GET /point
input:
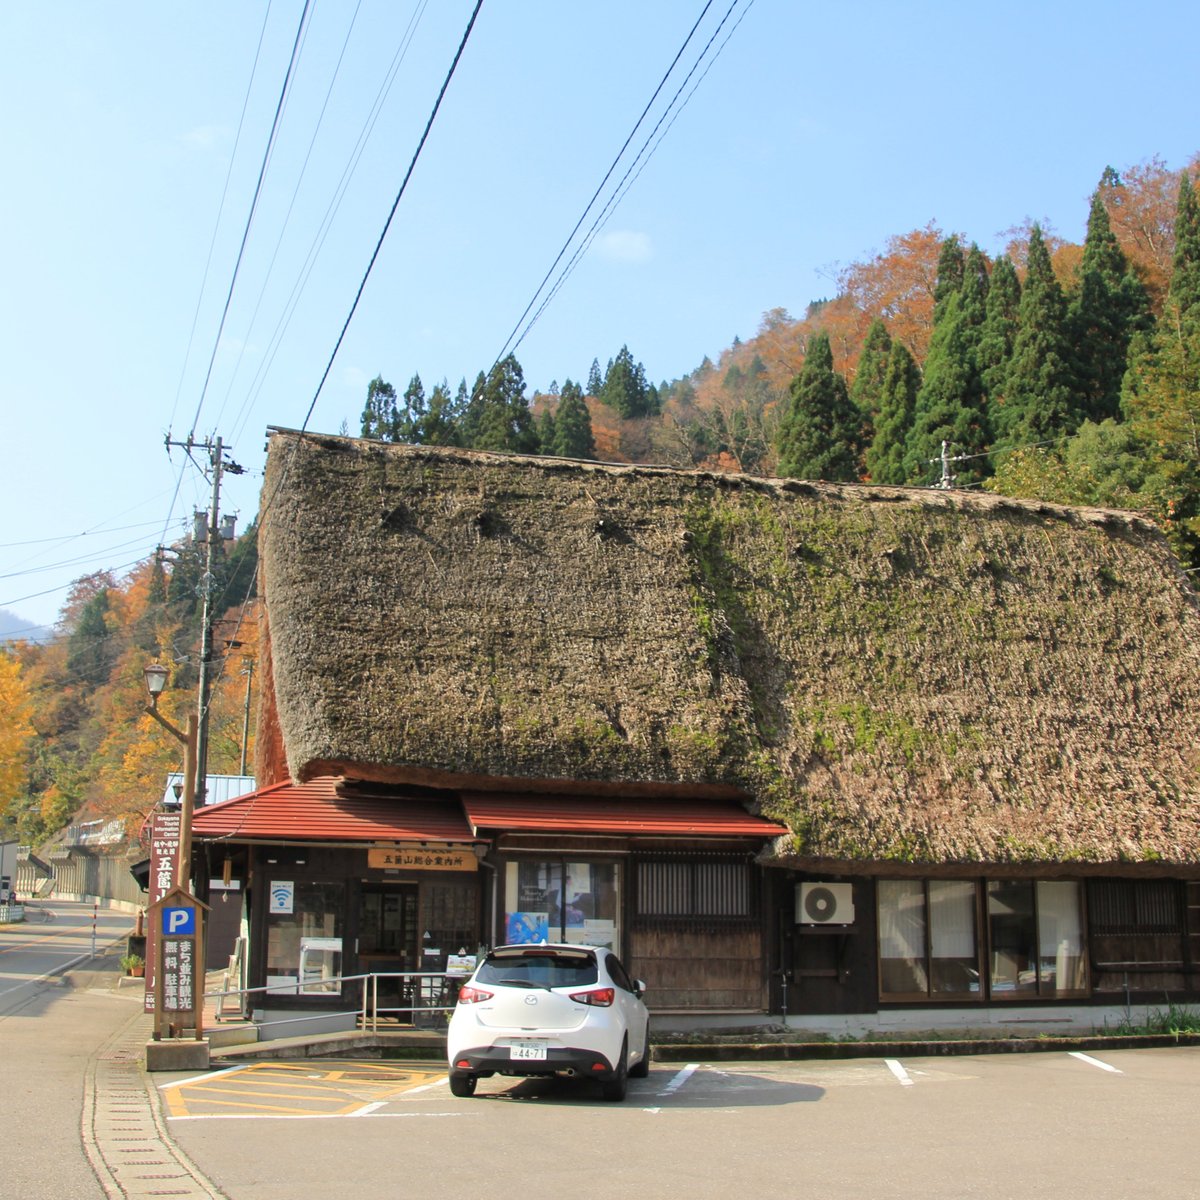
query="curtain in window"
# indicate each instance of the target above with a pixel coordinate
(954, 965)
(1060, 936)
(902, 937)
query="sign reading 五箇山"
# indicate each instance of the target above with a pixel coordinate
(177, 920)
(420, 858)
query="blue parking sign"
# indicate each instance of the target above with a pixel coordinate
(179, 922)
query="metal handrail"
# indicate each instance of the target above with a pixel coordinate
(368, 1013)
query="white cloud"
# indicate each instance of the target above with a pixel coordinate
(624, 245)
(204, 136)
(356, 379)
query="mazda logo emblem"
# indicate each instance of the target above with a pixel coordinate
(530, 999)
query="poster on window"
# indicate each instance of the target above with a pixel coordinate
(524, 928)
(283, 897)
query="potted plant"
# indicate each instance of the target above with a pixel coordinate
(133, 964)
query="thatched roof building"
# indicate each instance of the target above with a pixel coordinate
(903, 676)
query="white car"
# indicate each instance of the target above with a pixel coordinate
(550, 1010)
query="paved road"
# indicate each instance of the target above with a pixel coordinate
(56, 935)
(1110, 1126)
(50, 1029)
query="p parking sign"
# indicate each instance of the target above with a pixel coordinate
(179, 922)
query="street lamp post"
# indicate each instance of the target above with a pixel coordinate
(156, 680)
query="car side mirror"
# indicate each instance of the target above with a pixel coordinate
(639, 988)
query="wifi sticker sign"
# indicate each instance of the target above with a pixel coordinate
(283, 897)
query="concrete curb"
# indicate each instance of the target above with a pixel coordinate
(424, 1048)
(768, 1051)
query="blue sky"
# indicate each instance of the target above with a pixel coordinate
(817, 133)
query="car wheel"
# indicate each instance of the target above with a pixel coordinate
(462, 1083)
(641, 1068)
(616, 1087)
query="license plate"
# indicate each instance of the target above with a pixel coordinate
(528, 1050)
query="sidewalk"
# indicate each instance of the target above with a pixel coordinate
(124, 1136)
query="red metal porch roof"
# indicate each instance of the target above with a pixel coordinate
(607, 814)
(328, 810)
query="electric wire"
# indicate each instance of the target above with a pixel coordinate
(71, 562)
(630, 177)
(366, 275)
(318, 243)
(296, 45)
(504, 350)
(395, 204)
(283, 227)
(70, 537)
(62, 587)
(220, 210)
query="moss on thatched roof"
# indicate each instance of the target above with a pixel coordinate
(901, 675)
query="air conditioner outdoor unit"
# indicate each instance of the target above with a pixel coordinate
(825, 904)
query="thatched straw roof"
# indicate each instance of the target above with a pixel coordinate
(902, 675)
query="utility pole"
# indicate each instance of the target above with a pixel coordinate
(217, 465)
(248, 671)
(947, 480)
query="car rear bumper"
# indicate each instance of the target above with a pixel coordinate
(559, 1060)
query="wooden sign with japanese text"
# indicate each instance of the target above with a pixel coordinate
(164, 853)
(417, 858)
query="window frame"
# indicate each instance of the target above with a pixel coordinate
(692, 866)
(986, 992)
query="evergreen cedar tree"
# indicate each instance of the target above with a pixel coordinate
(1040, 403)
(897, 408)
(950, 405)
(867, 387)
(819, 434)
(1108, 307)
(999, 332)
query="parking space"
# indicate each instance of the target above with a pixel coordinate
(359, 1088)
(348, 1088)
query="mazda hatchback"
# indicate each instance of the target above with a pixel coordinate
(568, 1010)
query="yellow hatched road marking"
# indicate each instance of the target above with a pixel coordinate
(326, 1089)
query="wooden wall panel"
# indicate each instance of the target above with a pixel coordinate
(686, 970)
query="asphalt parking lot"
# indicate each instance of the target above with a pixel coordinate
(1117, 1124)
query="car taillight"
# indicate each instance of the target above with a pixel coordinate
(601, 997)
(473, 995)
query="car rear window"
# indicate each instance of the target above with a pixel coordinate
(539, 967)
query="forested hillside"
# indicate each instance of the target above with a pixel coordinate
(74, 740)
(1063, 372)
(1058, 371)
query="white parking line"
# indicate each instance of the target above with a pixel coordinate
(426, 1086)
(1095, 1062)
(899, 1072)
(681, 1077)
(205, 1078)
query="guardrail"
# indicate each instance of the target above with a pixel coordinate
(430, 992)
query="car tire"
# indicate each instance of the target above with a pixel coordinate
(641, 1068)
(616, 1087)
(462, 1083)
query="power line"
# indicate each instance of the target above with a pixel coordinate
(318, 242)
(63, 586)
(626, 182)
(296, 44)
(607, 175)
(220, 209)
(291, 206)
(68, 537)
(367, 273)
(69, 562)
(395, 204)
